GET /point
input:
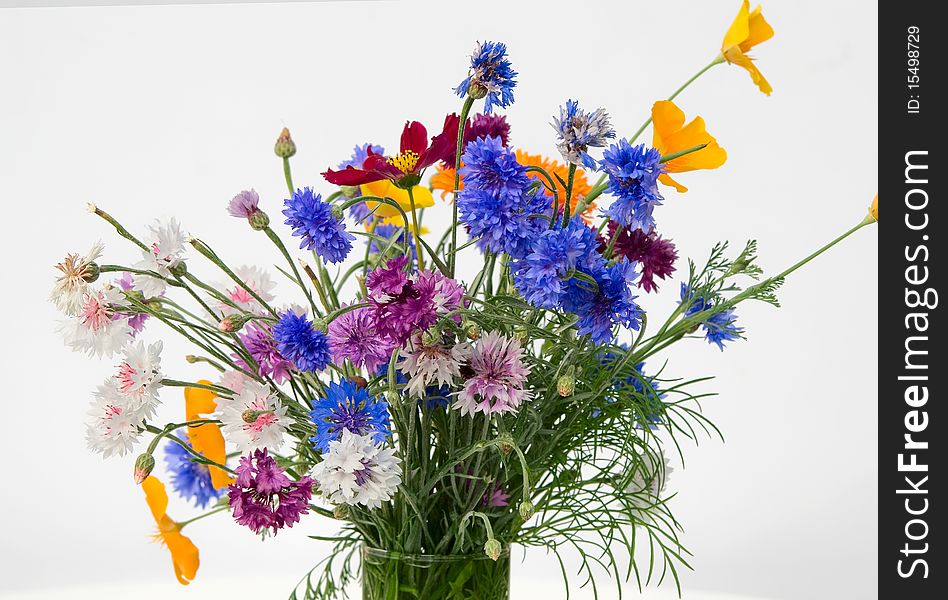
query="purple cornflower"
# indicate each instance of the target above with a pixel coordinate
(244, 205)
(499, 375)
(656, 255)
(387, 282)
(495, 497)
(135, 320)
(301, 343)
(257, 338)
(633, 180)
(263, 498)
(317, 224)
(353, 336)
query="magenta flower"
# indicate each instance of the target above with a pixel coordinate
(386, 283)
(498, 377)
(656, 255)
(259, 343)
(353, 335)
(263, 497)
(495, 497)
(135, 320)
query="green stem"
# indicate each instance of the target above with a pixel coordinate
(288, 176)
(569, 193)
(417, 230)
(465, 110)
(199, 517)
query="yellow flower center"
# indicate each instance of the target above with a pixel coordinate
(405, 161)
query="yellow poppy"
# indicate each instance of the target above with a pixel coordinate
(184, 554)
(748, 29)
(386, 189)
(874, 209)
(206, 439)
(670, 135)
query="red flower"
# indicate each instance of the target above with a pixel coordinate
(415, 155)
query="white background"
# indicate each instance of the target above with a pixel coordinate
(160, 111)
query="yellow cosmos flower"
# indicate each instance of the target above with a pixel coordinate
(386, 189)
(206, 439)
(748, 29)
(672, 135)
(874, 209)
(184, 554)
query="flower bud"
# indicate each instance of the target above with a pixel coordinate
(191, 358)
(179, 269)
(526, 510)
(431, 337)
(258, 220)
(492, 549)
(472, 329)
(505, 443)
(360, 382)
(476, 91)
(233, 323)
(350, 191)
(520, 334)
(91, 272)
(341, 512)
(284, 147)
(154, 304)
(143, 466)
(874, 209)
(337, 213)
(566, 384)
(250, 415)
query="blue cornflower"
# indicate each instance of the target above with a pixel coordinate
(599, 310)
(389, 231)
(577, 131)
(719, 327)
(321, 230)
(539, 277)
(348, 406)
(359, 154)
(435, 396)
(497, 202)
(301, 343)
(190, 479)
(490, 76)
(490, 166)
(633, 180)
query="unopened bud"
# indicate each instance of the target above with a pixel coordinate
(472, 329)
(350, 191)
(341, 512)
(360, 382)
(320, 325)
(258, 220)
(154, 304)
(505, 443)
(337, 213)
(392, 396)
(526, 510)
(492, 549)
(233, 323)
(874, 209)
(191, 358)
(477, 91)
(520, 334)
(143, 466)
(693, 328)
(431, 337)
(566, 384)
(284, 147)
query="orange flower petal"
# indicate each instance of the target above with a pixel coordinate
(199, 401)
(156, 497)
(667, 180)
(759, 30)
(443, 181)
(206, 439)
(581, 186)
(739, 30)
(742, 60)
(184, 554)
(670, 135)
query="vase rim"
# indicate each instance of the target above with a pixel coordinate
(395, 555)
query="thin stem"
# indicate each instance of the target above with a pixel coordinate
(465, 110)
(288, 176)
(417, 230)
(181, 524)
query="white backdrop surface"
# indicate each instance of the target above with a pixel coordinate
(160, 111)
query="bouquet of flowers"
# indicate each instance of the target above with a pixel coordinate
(438, 420)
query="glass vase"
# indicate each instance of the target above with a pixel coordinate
(396, 576)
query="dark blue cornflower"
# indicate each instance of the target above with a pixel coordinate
(539, 276)
(301, 343)
(490, 77)
(190, 479)
(321, 230)
(611, 303)
(490, 166)
(497, 204)
(348, 406)
(389, 231)
(577, 131)
(719, 327)
(359, 154)
(633, 180)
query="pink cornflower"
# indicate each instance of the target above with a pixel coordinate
(353, 336)
(498, 377)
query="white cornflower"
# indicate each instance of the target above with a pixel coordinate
(256, 279)
(139, 375)
(97, 329)
(166, 245)
(77, 272)
(427, 364)
(254, 418)
(233, 380)
(356, 471)
(649, 480)
(114, 427)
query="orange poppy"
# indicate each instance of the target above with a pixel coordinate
(184, 554)
(206, 439)
(748, 29)
(670, 135)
